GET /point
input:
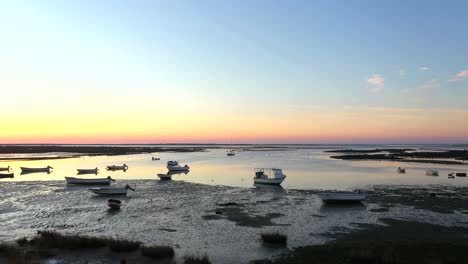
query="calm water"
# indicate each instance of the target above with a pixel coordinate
(305, 168)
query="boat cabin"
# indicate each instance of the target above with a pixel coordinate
(266, 173)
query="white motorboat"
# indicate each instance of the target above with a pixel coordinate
(88, 171)
(172, 163)
(167, 176)
(342, 197)
(273, 176)
(111, 190)
(178, 168)
(432, 173)
(5, 168)
(117, 167)
(96, 181)
(30, 170)
(401, 170)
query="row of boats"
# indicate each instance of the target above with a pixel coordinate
(436, 173)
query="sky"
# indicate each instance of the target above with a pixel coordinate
(219, 71)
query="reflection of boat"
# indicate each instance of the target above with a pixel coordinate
(32, 170)
(117, 167)
(460, 174)
(6, 175)
(5, 168)
(111, 190)
(73, 180)
(342, 197)
(178, 172)
(167, 176)
(88, 171)
(178, 168)
(401, 170)
(172, 163)
(432, 173)
(269, 187)
(269, 176)
(114, 204)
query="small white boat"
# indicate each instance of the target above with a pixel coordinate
(117, 167)
(45, 169)
(88, 171)
(5, 168)
(111, 190)
(432, 173)
(342, 197)
(178, 168)
(98, 181)
(401, 170)
(167, 176)
(172, 163)
(269, 176)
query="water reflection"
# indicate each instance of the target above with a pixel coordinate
(331, 209)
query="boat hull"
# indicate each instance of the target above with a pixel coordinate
(165, 176)
(6, 175)
(342, 197)
(99, 181)
(87, 171)
(105, 191)
(270, 181)
(5, 169)
(178, 168)
(24, 169)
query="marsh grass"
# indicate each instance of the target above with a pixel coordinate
(197, 260)
(50, 239)
(274, 238)
(22, 242)
(158, 252)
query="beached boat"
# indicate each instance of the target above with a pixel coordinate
(172, 163)
(96, 181)
(88, 171)
(460, 174)
(401, 170)
(273, 176)
(6, 175)
(153, 158)
(5, 168)
(178, 168)
(117, 167)
(432, 173)
(342, 197)
(114, 204)
(167, 176)
(111, 190)
(29, 170)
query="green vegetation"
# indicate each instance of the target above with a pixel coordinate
(197, 260)
(274, 238)
(158, 252)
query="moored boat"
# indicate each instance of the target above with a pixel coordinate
(117, 167)
(6, 175)
(178, 168)
(451, 176)
(114, 204)
(5, 168)
(432, 173)
(30, 170)
(401, 170)
(167, 176)
(97, 181)
(153, 158)
(342, 197)
(172, 163)
(273, 176)
(460, 174)
(88, 171)
(111, 190)
(231, 153)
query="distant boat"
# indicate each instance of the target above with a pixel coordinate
(460, 174)
(273, 176)
(31, 170)
(114, 204)
(98, 181)
(172, 163)
(153, 158)
(178, 168)
(167, 176)
(88, 171)
(231, 153)
(117, 167)
(111, 190)
(5, 168)
(401, 170)
(342, 197)
(6, 175)
(451, 176)
(432, 173)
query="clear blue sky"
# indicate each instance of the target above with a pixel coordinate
(234, 57)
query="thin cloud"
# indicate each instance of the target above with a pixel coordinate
(377, 82)
(459, 76)
(423, 68)
(429, 85)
